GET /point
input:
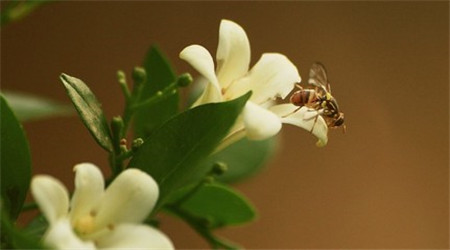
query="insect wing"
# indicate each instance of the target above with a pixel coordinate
(318, 76)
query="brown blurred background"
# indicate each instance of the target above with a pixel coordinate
(383, 184)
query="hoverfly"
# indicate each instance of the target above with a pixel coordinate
(317, 96)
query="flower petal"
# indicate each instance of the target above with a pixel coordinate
(89, 189)
(306, 118)
(201, 60)
(61, 236)
(272, 76)
(129, 236)
(259, 122)
(51, 196)
(233, 53)
(209, 95)
(129, 198)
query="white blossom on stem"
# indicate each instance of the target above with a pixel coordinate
(96, 218)
(273, 76)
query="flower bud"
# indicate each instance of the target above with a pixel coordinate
(121, 77)
(219, 168)
(184, 80)
(139, 75)
(137, 143)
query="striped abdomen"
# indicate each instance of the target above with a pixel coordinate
(305, 97)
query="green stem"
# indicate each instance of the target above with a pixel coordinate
(199, 225)
(116, 166)
(127, 115)
(124, 156)
(159, 96)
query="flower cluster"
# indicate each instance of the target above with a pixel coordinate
(273, 76)
(96, 218)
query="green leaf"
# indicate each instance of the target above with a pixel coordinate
(31, 107)
(172, 153)
(244, 158)
(159, 75)
(89, 110)
(200, 225)
(12, 237)
(15, 162)
(219, 205)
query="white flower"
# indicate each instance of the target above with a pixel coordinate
(97, 218)
(273, 76)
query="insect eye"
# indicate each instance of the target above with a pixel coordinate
(339, 121)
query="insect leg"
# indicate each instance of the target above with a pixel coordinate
(291, 112)
(315, 121)
(315, 117)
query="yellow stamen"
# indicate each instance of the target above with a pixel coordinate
(84, 225)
